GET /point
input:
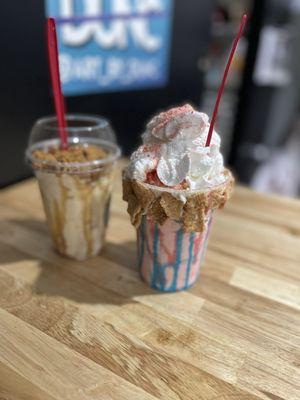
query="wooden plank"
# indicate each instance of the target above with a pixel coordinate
(272, 210)
(270, 288)
(15, 387)
(209, 338)
(281, 318)
(54, 368)
(234, 335)
(106, 343)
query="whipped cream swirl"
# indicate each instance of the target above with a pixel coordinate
(174, 148)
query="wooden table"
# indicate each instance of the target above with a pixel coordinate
(93, 330)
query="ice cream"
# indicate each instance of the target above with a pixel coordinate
(172, 185)
(76, 196)
(174, 151)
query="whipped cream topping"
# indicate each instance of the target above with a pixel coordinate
(174, 148)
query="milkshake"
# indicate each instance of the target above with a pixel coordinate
(75, 185)
(172, 185)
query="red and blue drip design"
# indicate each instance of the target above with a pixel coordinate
(169, 258)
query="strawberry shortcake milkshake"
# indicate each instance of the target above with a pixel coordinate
(172, 185)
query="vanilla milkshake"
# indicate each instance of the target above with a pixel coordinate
(172, 185)
(76, 186)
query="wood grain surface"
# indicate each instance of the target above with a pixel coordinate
(93, 330)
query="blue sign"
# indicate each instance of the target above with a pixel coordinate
(112, 45)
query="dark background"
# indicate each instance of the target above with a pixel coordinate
(25, 91)
(258, 123)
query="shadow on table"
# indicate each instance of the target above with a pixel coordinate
(111, 278)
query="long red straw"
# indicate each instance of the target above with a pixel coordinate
(222, 87)
(59, 101)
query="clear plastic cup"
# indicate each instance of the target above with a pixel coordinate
(169, 258)
(75, 195)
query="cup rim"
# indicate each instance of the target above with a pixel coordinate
(58, 165)
(98, 122)
(188, 192)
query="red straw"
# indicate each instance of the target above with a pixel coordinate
(59, 100)
(221, 90)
